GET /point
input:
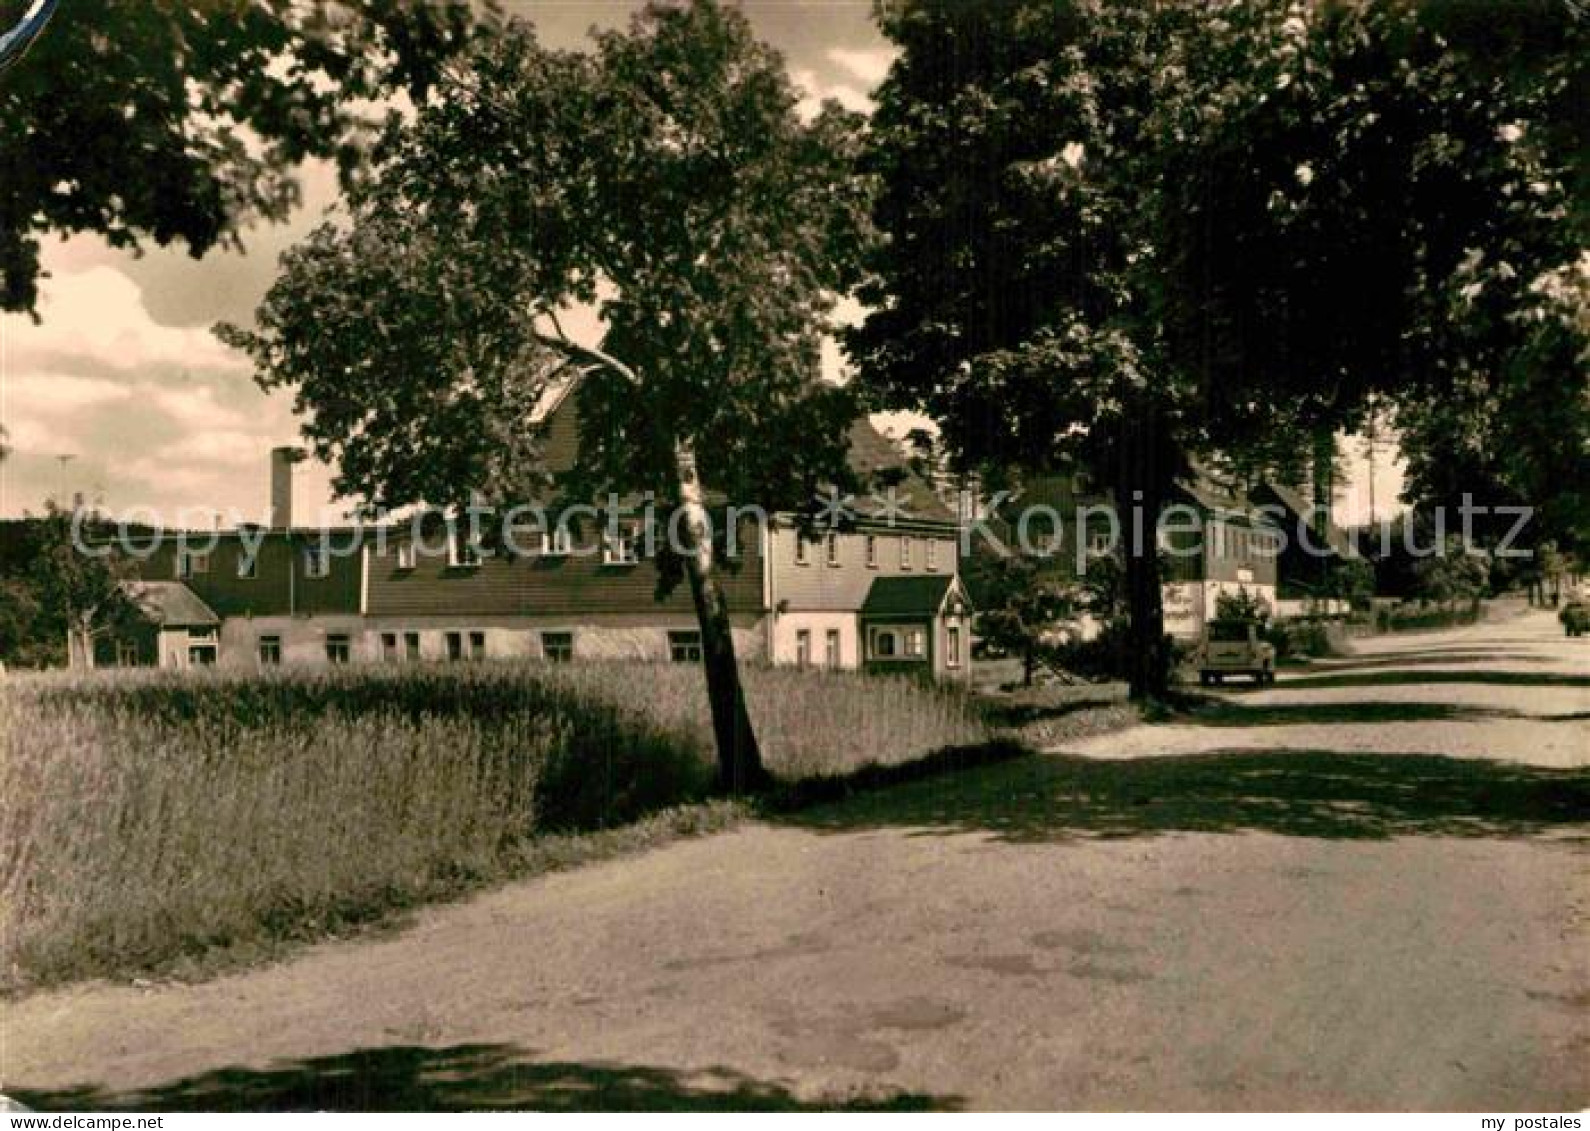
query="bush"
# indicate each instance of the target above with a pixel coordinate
(1301, 637)
(159, 815)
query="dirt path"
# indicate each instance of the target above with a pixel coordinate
(1371, 892)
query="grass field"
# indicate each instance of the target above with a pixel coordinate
(155, 819)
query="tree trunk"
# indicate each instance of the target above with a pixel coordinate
(740, 768)
(1139, 494)
(1028, 662)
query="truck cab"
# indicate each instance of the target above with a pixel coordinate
(1234, 647)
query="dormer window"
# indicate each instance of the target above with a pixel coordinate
(462, 551)
(555, 542)
(317, 561)
(803, 549)
(619, 546)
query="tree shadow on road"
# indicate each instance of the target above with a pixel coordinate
(460, 1078)
(1425, 660)
(1308, 793)
(1395, 678)
(1249, 714)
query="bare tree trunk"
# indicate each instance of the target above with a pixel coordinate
(740, 768)
(1138, 498)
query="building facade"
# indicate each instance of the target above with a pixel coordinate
(882, 593)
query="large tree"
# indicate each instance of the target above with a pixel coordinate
(665, 177)
(1120, 233)
(172, 121)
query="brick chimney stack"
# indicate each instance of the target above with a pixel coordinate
(282, 460)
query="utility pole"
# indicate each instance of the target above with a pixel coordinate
(64, 497)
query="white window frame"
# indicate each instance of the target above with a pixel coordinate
(952, 646)
(914, 643)
(833, 649)
(905, 552)
(342, 640)
(872, 551)
(684, 646)
(930, 554)
(271, 641)
(405, 555)
(803, 647)
(831, 549)
(541, 640)
(803, 549)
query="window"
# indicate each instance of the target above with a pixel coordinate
(618, 546)
(557, 647)
(462, 551)
(338, 648)
(803, 550)
(126, 654)
(833, 549)
(455, 645)
(411, 646)
(555, 542)
(952, 647)
(389, 647)
(477, 645)
(190, 564)
(405, 556)
(269, 649)
(247, 566)
(684, 647)
(884, 645)
(803, 647)
(905, 553)
(201, 655)
(317, 561)
(872, 551)
(831, 649)
(915, 643)
(930, 554)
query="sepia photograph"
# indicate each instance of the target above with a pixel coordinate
(795, 556)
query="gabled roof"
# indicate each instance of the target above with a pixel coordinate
(874, 454)
(909, 596)
(871, 454)
(170, 604)
(1335, 537)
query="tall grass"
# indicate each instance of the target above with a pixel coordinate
(152, 816)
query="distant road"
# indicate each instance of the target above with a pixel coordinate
(1365, 887)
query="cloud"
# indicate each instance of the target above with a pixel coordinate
(869, 65)
(817, 92)
(50, 394)
(99, 314)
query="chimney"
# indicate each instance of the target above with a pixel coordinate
(282, 460)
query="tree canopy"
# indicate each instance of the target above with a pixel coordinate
(1121, 233)
(664, 177)
(166, 121)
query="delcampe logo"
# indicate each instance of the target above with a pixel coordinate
(15, 41)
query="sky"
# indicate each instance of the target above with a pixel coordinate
(122, 393)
